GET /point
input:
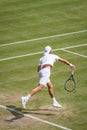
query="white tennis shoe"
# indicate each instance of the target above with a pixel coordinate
(24, 101)
(56, 104)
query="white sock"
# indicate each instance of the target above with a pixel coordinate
(28, 97)
(54, 99)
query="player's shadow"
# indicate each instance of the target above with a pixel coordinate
(18, 113)
(46, 112)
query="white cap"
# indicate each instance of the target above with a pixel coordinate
(47, 50)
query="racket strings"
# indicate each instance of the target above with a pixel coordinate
(70, 85)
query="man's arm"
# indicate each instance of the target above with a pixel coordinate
(38, 68)
(67, 63)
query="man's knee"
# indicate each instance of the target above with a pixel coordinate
(50, 85)
(40, 87)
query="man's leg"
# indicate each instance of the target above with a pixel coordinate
(34, 91)
(37, 89)
(50, 89)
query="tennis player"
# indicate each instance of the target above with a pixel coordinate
(45, 65)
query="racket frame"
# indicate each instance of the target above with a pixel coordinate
(74, 83)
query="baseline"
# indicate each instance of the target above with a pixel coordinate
(42, 38)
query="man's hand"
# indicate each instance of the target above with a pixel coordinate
(72, 67)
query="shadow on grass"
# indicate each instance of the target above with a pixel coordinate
(18, 113)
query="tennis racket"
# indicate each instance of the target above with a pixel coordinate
(70, 83)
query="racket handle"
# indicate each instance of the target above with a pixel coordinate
(72, 72)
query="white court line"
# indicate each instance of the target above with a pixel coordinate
(20, 56)
(35, 118)
(42, 38)
(75, 53)
(69, 47)
(31, 54)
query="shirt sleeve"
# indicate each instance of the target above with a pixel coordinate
(56, 57)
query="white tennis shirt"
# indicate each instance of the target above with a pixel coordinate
(48, 59)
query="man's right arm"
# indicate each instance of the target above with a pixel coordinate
(67, 63)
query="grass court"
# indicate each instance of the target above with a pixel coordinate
(26, 27)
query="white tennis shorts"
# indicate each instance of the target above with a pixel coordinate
(44, 76)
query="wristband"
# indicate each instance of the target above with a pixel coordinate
(70, 65)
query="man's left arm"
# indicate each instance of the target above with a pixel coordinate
(38, 68)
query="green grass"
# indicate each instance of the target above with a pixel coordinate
(27, 19)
